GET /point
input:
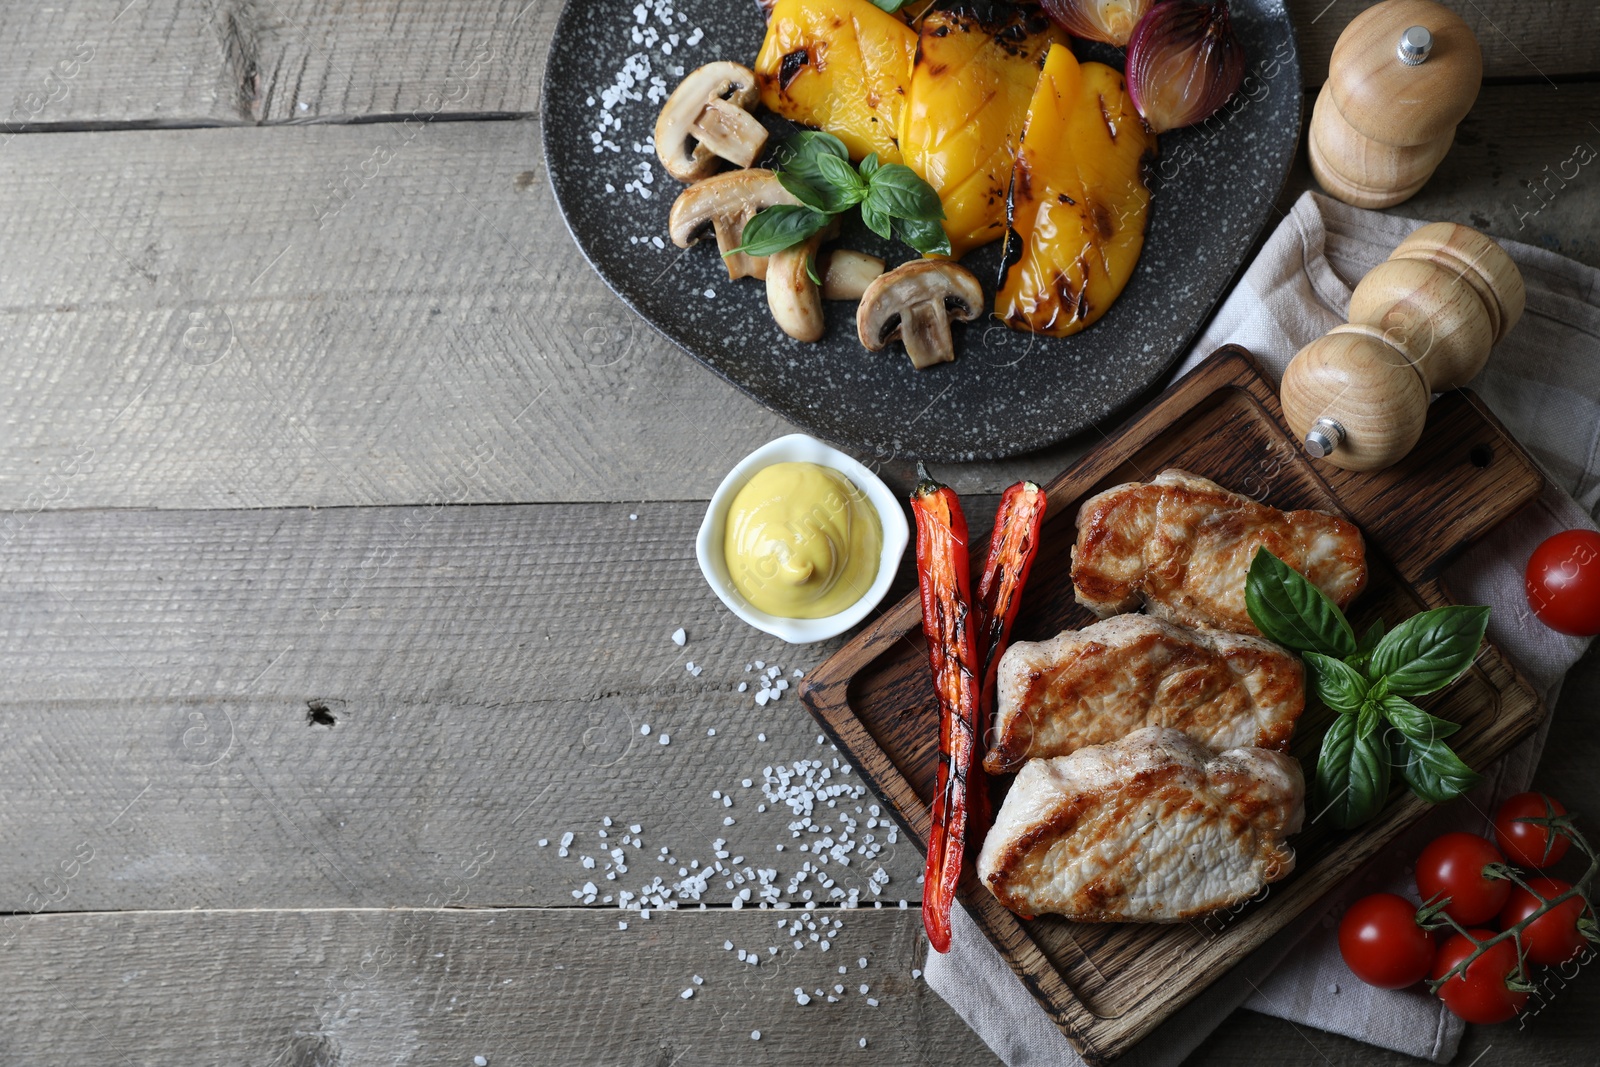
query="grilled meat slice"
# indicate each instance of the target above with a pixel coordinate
(1151, 829)
(1095, 685)
(1183, 545)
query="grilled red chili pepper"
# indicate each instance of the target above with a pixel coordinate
(945, 576)
(1011, 550)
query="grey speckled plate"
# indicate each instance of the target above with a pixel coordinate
(1006, 392)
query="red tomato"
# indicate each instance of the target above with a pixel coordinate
(1382, 944)
(1524, 842)
(1453, 866)
(1563, 582)
(1553, 938)
(1480, 995)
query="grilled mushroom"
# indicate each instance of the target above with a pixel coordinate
(707, 117)
(916, 303)
(794, 299)
(723, 203)
(846, 274)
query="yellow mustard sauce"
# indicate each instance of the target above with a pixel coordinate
(802, 542)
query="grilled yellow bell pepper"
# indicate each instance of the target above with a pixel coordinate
(841, 66)
(1078, 202)
(977, 65)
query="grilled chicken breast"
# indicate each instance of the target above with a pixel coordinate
(1151, 829)
(1183, 545)
(1095, 685)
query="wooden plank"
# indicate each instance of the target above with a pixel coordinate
(442, 987)
(181, 62)
(1516, 170)
(488, 671)
(1538, 41)
(242, 318)
(184, 63)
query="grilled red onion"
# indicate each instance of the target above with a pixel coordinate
(1111, 21)
(1184, 62)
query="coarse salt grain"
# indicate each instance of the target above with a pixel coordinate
(679, 637)
(644, 729)
(686, 994)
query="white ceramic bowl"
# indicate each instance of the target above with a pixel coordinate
(799, 448)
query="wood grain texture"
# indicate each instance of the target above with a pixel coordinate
(246, 62)
(1107, 985)
(1543, 40)
(332, 988)
(1516, 171)
(189, 62)
(488, 671)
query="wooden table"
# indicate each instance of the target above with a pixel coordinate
(346, 521)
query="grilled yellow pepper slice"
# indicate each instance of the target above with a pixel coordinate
(977, 65)
(839, 65)
(1078, 203)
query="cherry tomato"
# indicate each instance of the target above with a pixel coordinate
(1524, 843)
(1480, 995)
(1453, 866)
(1382, 944)
(1563, 582)
(1553, 938)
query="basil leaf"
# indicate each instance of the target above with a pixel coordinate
(811, 270)
(1352, 774)
(804, 192)
(1433, 772)
(1293, 612)
(1367, 719)
(799, 155)
(1412, 721)
(876, 221)
(897, 191)
(1429, 651)
(870, 166)
(891, 6)
(1364, 647)
(842, 186)
(926, 236)
(775, 228)
(1336, 683)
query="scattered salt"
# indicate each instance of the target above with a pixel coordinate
(686, 994)
(644, 729)
(678, 635)
(666, 739)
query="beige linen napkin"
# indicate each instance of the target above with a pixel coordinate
(1543, 382)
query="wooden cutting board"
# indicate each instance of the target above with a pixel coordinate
(1107, 985)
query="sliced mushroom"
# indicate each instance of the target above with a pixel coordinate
(846, 274)
(916, 303)
(794, 299)
(724, 203)
(707, 117)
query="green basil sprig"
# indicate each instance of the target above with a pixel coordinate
(1367, 682)
(815, 168)
(891, 6)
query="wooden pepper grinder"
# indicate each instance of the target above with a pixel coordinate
(1421, 322)
(1403, 74)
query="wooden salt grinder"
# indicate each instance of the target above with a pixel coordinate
(1421, 322)
(1403, 74)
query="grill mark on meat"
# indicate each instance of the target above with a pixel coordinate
(1148, 829)
(1182, 545)
(1095, 685)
